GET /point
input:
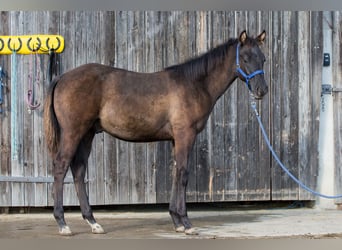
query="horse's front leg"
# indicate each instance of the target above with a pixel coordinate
(182, 147)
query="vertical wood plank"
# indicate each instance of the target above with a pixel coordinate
(215, 182)
(202, 147)
(307, 151)
(30, 68)
(231, 127)
(243, 119)
(110, 147)
(139, 166)
(72, 23)
(123, 150)
(264, 162)
(150, 31)
(275, 58)
(164, 158)
(286, 128)
(93, 50)
(56, 25)
(5, 121)
(316, 47)
(18, 189)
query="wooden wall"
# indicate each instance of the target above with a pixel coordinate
(230, 161)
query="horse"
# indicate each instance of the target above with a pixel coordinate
(169, 105)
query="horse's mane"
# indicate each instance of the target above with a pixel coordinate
(202, 65)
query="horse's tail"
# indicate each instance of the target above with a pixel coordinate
(51, 126)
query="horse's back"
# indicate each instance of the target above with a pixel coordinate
(129, 105)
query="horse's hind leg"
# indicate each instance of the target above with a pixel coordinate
(78, 168)
(61, 163)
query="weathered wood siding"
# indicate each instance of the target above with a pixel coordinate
(296, 65)
(230, 160)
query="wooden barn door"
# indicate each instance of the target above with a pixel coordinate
(296, 53)
(230, 160)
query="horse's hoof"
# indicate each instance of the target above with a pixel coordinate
(65, 231)
(180, 229)
(190, 231)
(96, 228)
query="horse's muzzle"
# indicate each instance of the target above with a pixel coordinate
(260, 92)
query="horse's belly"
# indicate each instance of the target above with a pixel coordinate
(138, 129)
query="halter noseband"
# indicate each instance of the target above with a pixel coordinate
(242, 73)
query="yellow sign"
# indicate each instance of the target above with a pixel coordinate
(29, 44)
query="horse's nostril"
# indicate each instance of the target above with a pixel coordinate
(258, 90)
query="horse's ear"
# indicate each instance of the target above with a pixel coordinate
(243, 37)
(261, 38)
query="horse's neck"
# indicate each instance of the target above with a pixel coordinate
(220, 79)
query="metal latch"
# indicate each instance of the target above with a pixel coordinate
(327, 89)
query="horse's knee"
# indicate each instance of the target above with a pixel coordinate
(181, 174)
(184, 176)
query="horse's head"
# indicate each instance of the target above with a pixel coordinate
(250, 62)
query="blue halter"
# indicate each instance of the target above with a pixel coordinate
(242, 73)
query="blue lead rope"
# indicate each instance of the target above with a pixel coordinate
(253, 105)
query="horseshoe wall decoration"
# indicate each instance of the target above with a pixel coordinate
(41, 44)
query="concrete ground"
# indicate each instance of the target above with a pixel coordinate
(155, 223)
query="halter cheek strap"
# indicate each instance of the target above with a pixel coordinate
(242, 73)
